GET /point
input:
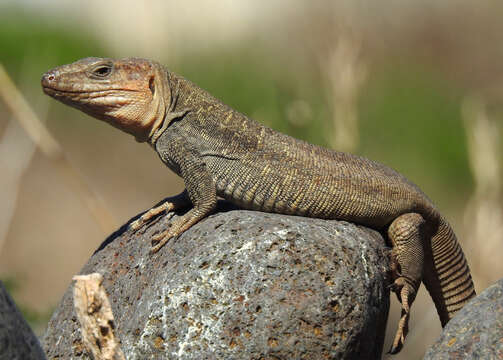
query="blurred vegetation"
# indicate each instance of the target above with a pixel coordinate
(410, 119)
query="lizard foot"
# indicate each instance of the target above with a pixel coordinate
(176, 227)
(406, 294)
(169, 205)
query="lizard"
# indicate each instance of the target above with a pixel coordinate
(221, 153)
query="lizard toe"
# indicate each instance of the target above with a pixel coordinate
(160, 240)
(401, 333)
(135, 225)
(159, 245)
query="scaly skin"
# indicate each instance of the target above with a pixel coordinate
(220, 152)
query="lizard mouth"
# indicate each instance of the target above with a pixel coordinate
(59, 92)
(75, 95)
(51, 91)
(65, 96)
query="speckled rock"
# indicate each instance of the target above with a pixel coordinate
(476, 332)
(17, 340)
(240, 285)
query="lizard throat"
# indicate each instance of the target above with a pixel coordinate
(157, 131)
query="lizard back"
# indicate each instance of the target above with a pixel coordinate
(259, 168)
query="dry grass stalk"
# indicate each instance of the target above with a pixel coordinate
(16, 152)
(96, 318)
(345, 74)
(484, 212)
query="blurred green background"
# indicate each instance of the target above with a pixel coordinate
(416, 86)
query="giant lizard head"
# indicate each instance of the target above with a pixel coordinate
(128, 93)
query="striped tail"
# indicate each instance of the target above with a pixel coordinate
(447, 275)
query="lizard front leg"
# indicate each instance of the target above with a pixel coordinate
(407, 257)
(200, 191)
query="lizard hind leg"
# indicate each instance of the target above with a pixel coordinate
(168, 205)
(407, 257)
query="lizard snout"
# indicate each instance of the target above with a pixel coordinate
(50, 82)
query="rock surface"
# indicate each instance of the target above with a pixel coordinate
(476, 332)
(240, 285)
(17, 340)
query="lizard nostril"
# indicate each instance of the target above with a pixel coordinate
(49, 76)
(48, 79)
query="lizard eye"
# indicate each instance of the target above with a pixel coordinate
(102, 71)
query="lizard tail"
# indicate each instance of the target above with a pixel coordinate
(447, 277)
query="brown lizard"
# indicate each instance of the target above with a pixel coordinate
(220, 152)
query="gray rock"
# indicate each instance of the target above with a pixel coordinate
(17, 340)
(240, 285)
(476, 332)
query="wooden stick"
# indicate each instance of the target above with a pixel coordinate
(96, 318)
